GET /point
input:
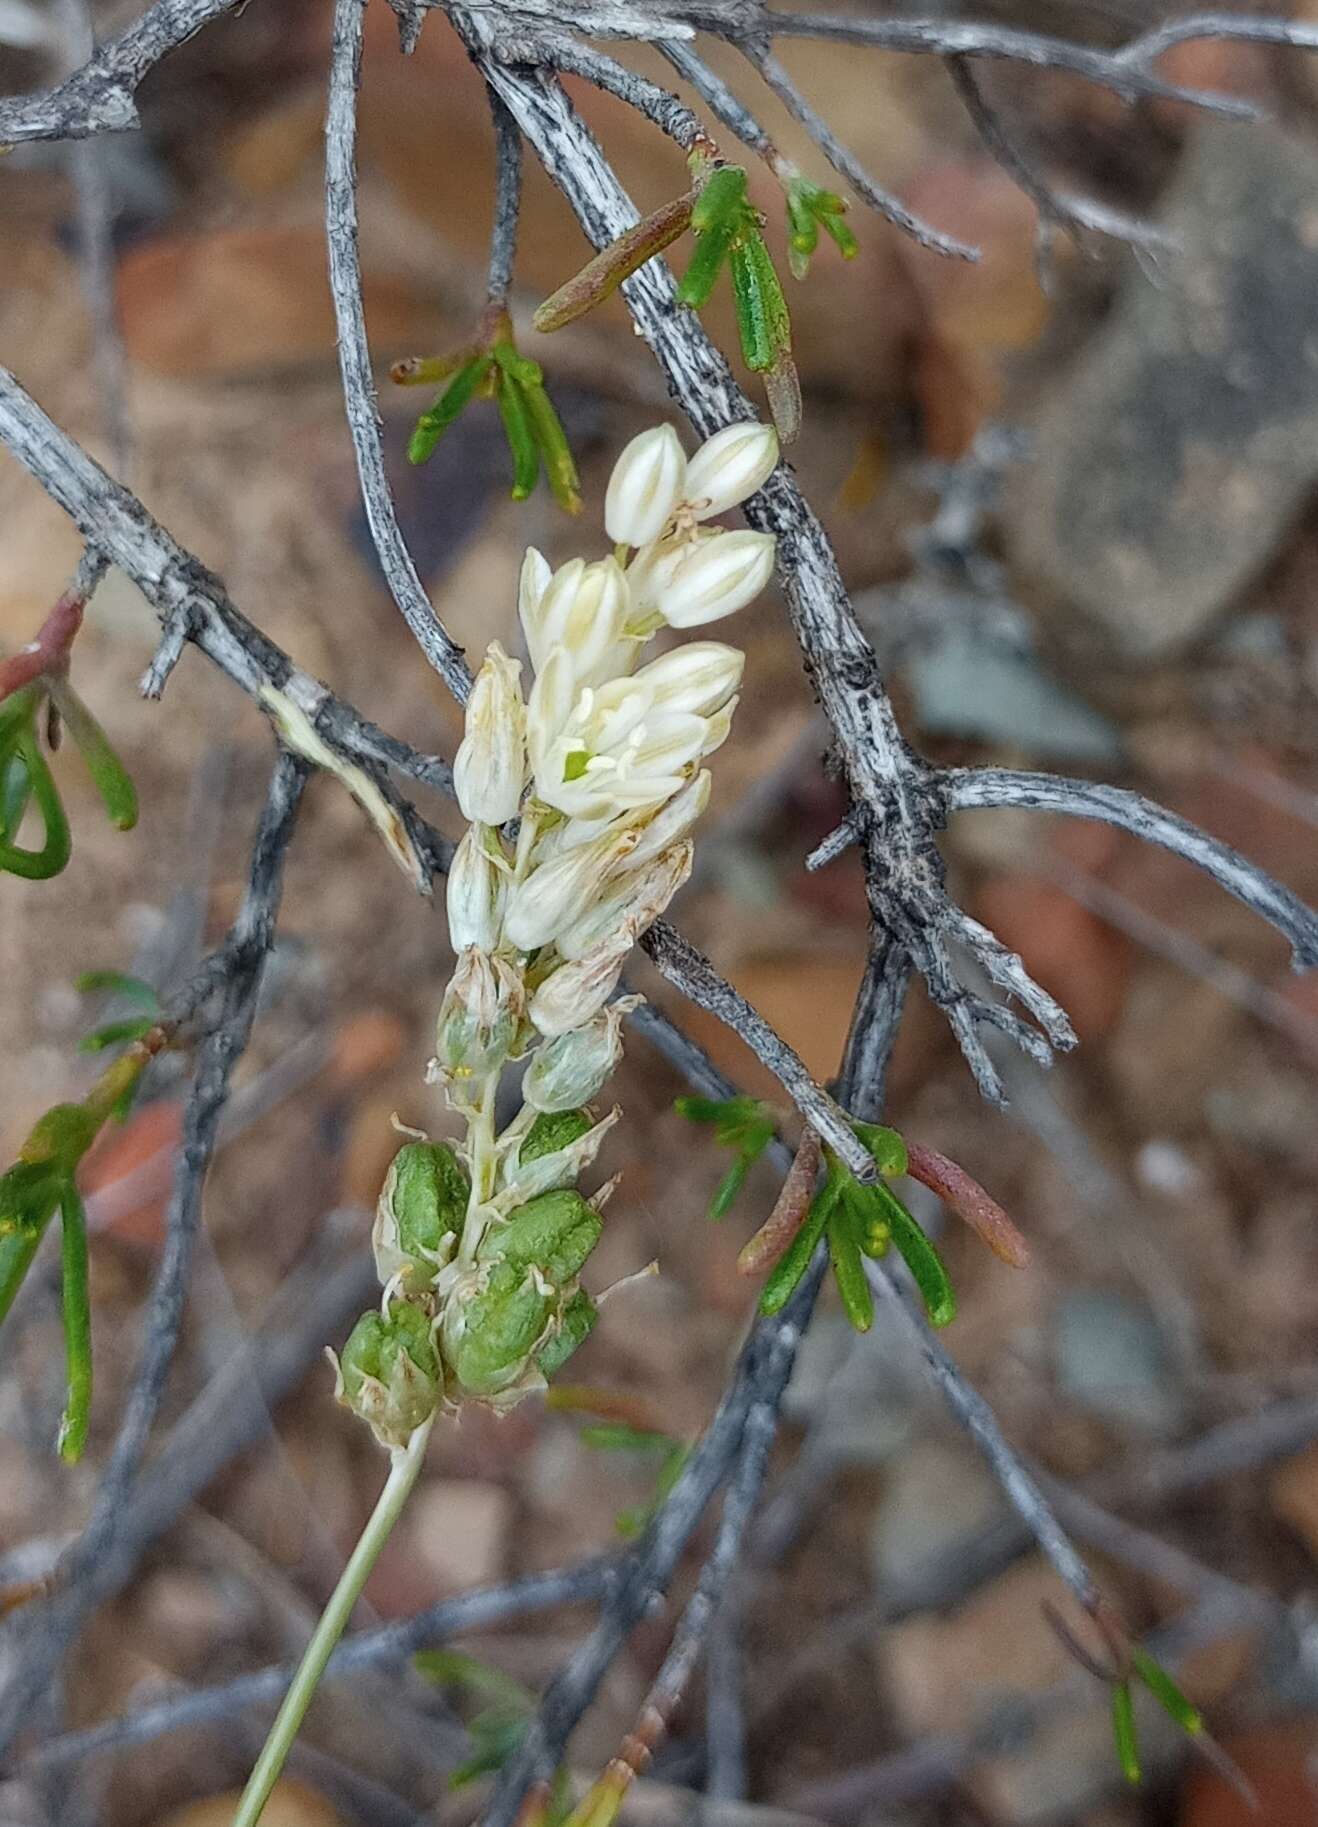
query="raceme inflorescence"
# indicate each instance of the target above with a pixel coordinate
(581, 796)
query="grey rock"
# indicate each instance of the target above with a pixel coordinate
(1168, 465)
(936, 1495)
(968, 685)
(1111, 1359)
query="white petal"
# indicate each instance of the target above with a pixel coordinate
(699, 676)
(715, 578)
(729, 467)
(552, 698)
(559, 892)
(531, 587)
(475, 894)
(645, 487)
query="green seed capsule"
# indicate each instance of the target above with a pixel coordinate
(575, 1327)
(423, 1201)
(552, 1130)
(554, 1234)
(491, 1332)
(390, 1372)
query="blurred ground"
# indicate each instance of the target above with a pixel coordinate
(1141, 607)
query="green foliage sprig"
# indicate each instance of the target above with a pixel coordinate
(43, 1181)
(492, 368)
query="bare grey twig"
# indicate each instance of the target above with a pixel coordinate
(971, 788)
(359, 396)
(848, 166)
(98, 98)
(390, 1646)
(1056, 210)
(507, 203)
(96, 252)
(719, 99)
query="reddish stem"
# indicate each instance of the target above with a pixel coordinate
(49, 652)
(968, 1199)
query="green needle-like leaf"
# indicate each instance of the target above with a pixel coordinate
(794, 1262)
(721, 200)
(107, 771)
(521, 439)
(1167, 1693)
(77, 1326)
(450, 405)
(118, 983)
(1123, 1732)
(556, 453)
(920, 1256)
(752, 307)
(848, 1269)
(706, 263)
(886, 1145)
(133, 1027)
(15, 793)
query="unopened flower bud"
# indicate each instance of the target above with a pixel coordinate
(560, 891)
(390, 1372)
(479, 1016)
(729, 468)
(713, 578)
(718, 728)
(477, 889)
(571, 1069)
(575, 993)
(645, 487)
(419, 1214)
(699, 677)
(490, 765)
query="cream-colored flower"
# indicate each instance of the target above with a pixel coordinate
(575, 993)
(729, 468)
(704, 578)
(654, 487)
(645, 487)
(568, 1071)
(615, 750)
(582, 609)
(477, 889)
(560, 891)
(490, 766)
(629, 901)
